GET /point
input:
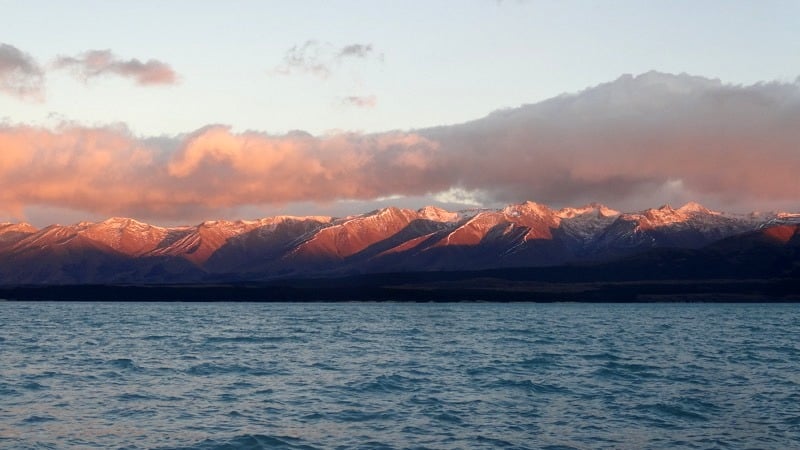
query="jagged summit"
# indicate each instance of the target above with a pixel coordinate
(123, 221)
(694, 207)
(657, 217)
(430, 212)
(437, 214)
(17, 227)
(595, 209)
(528, 208)
(123, 224)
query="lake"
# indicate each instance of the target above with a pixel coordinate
(398, 375)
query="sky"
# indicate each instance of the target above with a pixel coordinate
(182, 111)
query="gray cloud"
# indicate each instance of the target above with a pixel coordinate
(96, 63)
(320, 59)
(679, 136)
(306, 58)
(355, 51)
(20, 75)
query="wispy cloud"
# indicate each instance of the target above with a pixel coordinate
(20, 74)
(321, 59)
(97, 63)
(307, 58)
(360, 101)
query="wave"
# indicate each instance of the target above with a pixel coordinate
(210, 369)
(249, 442)
(123, 363)
(248, 339)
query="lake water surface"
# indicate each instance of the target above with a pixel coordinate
(439, 376)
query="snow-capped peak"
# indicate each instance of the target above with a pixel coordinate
(115, 220)
(694, 207)
(279, 219)
(124, 222)
(437, 214)
(17, 227)
(667, 215)
(786, 218)
(526, 209)
(595, 209)
(665, 208)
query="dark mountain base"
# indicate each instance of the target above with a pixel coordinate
(490, 286)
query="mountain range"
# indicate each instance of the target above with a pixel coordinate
(659, 243)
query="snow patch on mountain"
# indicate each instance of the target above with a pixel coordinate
(594, 209)
(527, 209)
(437, 214)
(657, 217)
(696, 208)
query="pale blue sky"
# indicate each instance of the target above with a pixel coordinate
(432, 62)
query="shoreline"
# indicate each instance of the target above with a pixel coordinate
(366, 289)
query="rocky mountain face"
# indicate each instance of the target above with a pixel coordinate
(121, 250)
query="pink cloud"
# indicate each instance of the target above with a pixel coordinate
(251, 168)
(112, 172)
(95, 63)
(634, 142)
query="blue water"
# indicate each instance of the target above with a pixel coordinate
(383, 376)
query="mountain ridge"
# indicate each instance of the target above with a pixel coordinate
(529, 234)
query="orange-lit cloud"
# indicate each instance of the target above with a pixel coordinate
(225, 169)
(111, 172)
(95, 63)
(635, 141)
(20, 75)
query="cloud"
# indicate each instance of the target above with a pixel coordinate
(20, 75)
(251, 168)
(355, 51)
(306, 58)
(320, 59)
(679, 135)
(634, 142)
(96, 63)
(366, 101)
(109, 171)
